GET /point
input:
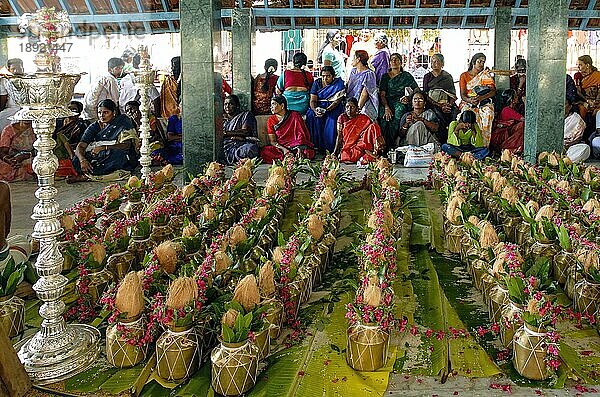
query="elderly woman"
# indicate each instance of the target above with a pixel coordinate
(477, 89)
(326, 97)
(359, 138)
(438, 78)
(263, 88)
(394, 99)
(464, 135)
(294, 84)
(419, 126)
(239, 132)
(329, 55)
(381, 60)
(362, 85)
(107, 146)
(16, 151)
(286, 132)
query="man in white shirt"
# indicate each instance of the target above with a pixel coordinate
(8, 106)
(129, 92)
(107, 87)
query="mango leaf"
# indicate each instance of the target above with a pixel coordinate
(228, 335)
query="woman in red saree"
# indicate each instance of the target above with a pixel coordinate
(359, 138)
(286, 132)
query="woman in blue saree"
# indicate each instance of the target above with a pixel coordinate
(239, 132)
(326, 96)
(106, 146)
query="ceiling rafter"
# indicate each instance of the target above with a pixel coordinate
(115, 8)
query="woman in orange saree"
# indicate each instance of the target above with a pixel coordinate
(359, 138)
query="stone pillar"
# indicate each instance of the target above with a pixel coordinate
(502, 26)
(201, 85)
(3, 45)
(546, 76)
(241, 37)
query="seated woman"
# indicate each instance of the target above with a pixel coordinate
(157, 133)
(172, 150)
(16, 247)
(509, 129)
(294, 84)
(393, 99)
(359, 138)
(443, 105)
(108, 145)
(438, 78)
(70, 129)
(574, 125)
(419, 126)
(326, 97)
(477, 89)
(239, 132)
(464, 135)
(16, 151)
(286, 132)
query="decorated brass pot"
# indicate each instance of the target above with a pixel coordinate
(510, 225)
(487, 283)
(367, 348)
(160, 233)
(262, 340)
(234, 367)
(497, 302)
(544, 249)
(133, 207)
(177, 353)
(120, 264)
(12, 314)
(138, 248)
(522, 233)
(478, 269)
(509, 323)
(586, 296)
(274, 316)
(98, 282)
(530, 353)
(120, 353)
(561, 264)
(454, 235)
(573, 276)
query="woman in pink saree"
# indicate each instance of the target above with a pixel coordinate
(286, 132)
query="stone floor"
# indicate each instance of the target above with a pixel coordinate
(23, 200)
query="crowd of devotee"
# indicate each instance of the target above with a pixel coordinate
(360, 104)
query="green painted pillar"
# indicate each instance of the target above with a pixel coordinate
(502, 26)
(201, 85)
(3, 46)
(241, 37)
(546, 76)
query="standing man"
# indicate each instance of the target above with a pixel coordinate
(107, 87)
(8, 106)
(170, 90)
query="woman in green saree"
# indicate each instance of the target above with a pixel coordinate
(394, 99)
